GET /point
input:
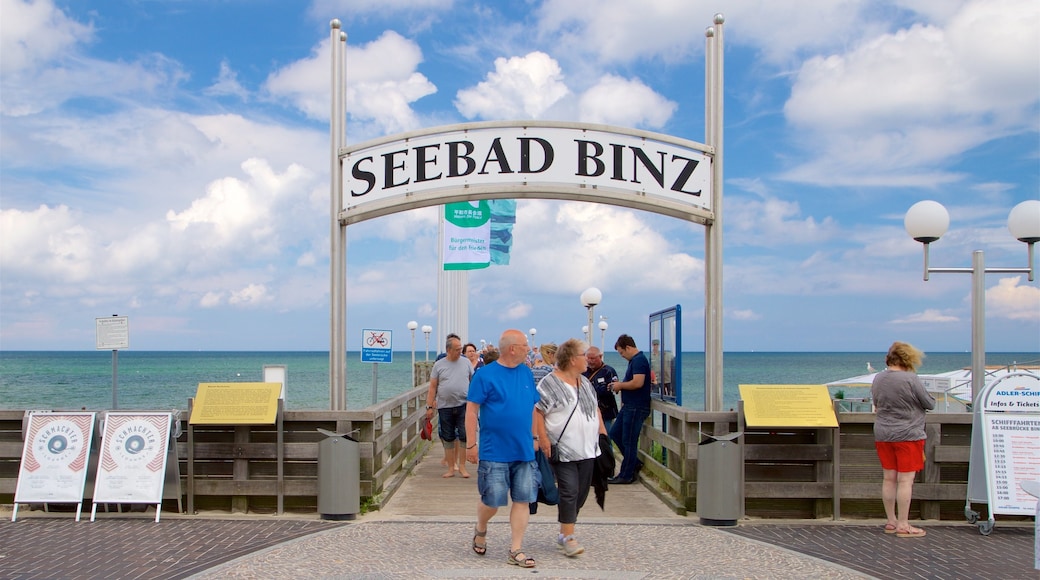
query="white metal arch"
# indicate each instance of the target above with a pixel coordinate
(529, 160)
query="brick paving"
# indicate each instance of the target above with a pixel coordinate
(949, 551)
(39, 548)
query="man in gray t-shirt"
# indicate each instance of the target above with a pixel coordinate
(449, 385)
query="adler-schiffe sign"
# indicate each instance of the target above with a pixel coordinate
(132, 466)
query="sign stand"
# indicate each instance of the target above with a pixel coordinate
(132, 466)
(1005, 448)
(113, 333)
(54, 460)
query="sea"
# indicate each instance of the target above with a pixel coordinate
(165, 380)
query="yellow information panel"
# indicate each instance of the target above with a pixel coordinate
(236, 404)
(788, 406)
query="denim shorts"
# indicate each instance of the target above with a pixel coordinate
(451, 425)
(498, 481)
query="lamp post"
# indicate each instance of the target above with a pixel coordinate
(926, 222)
(589, 299)
(602, 333)
(532, 332)
(427, 329)
(412, 325)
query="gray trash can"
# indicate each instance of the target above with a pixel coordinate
(719, 485)
(339, 477)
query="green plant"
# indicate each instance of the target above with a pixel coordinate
(839, 394)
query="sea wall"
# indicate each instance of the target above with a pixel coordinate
(785, 473)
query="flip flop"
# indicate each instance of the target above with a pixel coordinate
(890, 529)
(911, 533)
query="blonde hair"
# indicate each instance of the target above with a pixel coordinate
(548, 352)
(568, 350)
(904, 355)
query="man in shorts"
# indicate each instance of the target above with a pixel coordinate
(501, 399)
(449, 383)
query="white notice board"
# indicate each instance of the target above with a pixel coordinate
(132, 467)
(112, 333)
(54, 459)
(1011, 431)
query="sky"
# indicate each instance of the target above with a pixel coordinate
(169, 161)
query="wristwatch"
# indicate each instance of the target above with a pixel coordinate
(428, 407)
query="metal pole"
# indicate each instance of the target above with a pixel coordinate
(337, 341)
(588, 335)
(115, 377)
(375, 383)
(978, 324)
(413, 359)
(713, 382)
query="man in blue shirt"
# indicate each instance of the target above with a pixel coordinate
(502, 399)
(635, 408)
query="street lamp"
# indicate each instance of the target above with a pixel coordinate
(926, 222)
(532, 332)
(427, 329)
(589, 299)
(602, 333)
(412, 325)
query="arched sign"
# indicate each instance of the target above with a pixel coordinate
(516, 160)
(529, 160)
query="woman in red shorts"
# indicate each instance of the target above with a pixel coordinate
(900, 400)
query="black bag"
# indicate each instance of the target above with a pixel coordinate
(554, 453)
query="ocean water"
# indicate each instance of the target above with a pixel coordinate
(163, 380)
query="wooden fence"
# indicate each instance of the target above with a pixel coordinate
(785, 473)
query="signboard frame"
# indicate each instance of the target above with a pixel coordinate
(57, 445)
(132, 465)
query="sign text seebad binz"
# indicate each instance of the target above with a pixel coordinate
(529, 156)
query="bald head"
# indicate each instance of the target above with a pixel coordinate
(513, 348)
(594, 356)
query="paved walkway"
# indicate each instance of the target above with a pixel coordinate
(425, 532)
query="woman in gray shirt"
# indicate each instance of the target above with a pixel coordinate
(900, 401)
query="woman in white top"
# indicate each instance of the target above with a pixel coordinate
(568, 417)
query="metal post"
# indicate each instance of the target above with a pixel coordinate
(713, 232)
(978, 325)
(588, 334)
(413, 359)
(115, 377)
(337, 331)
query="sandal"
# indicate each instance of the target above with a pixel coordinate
(479, 549)
(516, 560)
(911, 532)
(890, 529)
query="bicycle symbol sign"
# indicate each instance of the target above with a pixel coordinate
(376, 346)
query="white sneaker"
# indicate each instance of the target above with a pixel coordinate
(569, 546)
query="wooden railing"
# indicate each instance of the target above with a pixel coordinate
(785, 473)
(806, 473)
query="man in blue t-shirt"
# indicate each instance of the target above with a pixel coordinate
(635, 408)
(501, 399)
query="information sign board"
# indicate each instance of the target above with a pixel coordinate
(113, 333)
(1011, 430)
(788, 406)
(132, 466)
(236, 404)
(376, 346)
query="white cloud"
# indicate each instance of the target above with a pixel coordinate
(746, 314)
(34, 33)
(382, 82)
(251, 295)
(519, 88)
(516, 311)
(626, 103)
(895, 108)
(928, 316)
(1009, 299)
(227, 83)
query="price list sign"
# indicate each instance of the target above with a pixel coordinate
(1012, 437)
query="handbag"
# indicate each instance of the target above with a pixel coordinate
(554, 448)
(547, 491)
(427, 430)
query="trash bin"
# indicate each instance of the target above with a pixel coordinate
(719, 485)
(339, 477)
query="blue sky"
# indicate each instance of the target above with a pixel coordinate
(168, 161)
